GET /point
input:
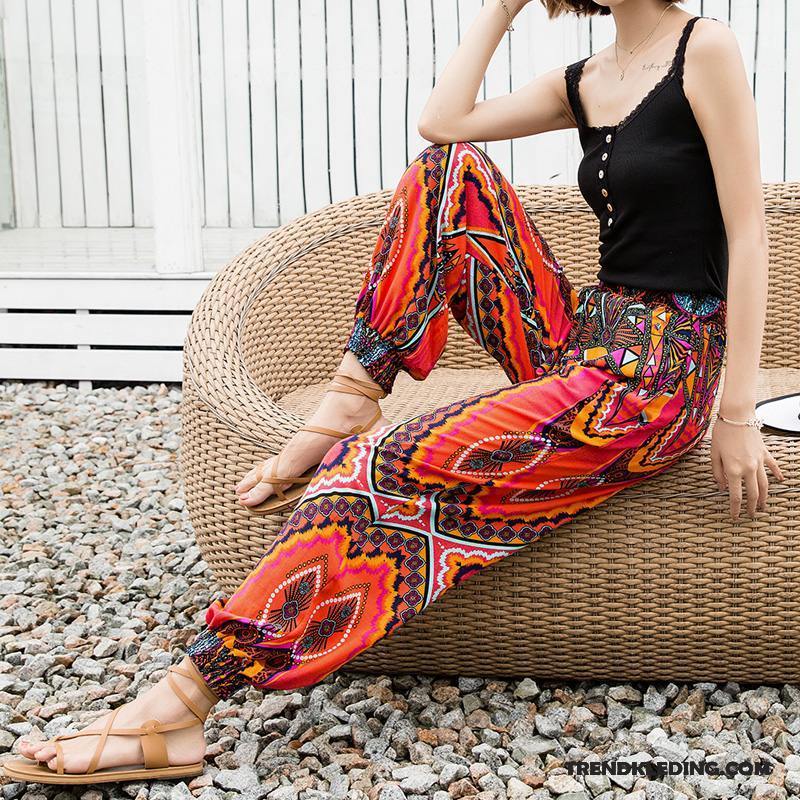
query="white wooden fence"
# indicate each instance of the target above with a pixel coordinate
(132, 123)
(303, 102)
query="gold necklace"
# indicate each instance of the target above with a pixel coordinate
(616, 43)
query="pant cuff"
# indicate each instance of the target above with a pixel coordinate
(221, 669)
(374, 353)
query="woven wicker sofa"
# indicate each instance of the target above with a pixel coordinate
(655, 584)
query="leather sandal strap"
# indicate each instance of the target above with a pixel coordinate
(350, 385)
(184, 698)
(326, 431)
(154, 745)
(59, 757)
(98, 751)
(275, 481)
(290, 479)
(195, 675)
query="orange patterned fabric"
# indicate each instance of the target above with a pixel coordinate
(607, 385)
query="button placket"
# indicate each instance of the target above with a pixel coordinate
(601, 174)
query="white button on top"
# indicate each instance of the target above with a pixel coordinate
(608, 137)
(604, 156)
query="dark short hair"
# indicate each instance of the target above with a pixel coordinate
(583, 8)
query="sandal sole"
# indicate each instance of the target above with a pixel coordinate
(32, 772)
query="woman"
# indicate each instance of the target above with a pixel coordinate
(609, 383)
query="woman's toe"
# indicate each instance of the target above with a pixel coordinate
(27, 749)
(44, 753)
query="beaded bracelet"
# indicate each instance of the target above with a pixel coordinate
(754, 422)
(508, 14)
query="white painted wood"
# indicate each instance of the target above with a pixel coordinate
(744, 17)
(107, 365)
(792, 80)
(115, 114)
(6, 180)
(212, 88)
(107, 252)
(100, 295)
(92, 129)
(45, 134)
(139, 111)
(420, 69)
(367, 95)
(121, 330)
(340, 100)
(291, 167)
(349, 126)
(769, 91)
(263, 124)
(316, 185)
(73, 209)
(713, 8)
(177, 212)
(394, 133)
(237, 112)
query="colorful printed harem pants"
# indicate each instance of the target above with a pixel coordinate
(609, 385)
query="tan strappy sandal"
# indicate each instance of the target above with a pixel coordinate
(154, 748)
(283, 498)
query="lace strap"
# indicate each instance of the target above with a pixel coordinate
(680, 52)
(572, 76)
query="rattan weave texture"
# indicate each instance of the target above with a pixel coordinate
(656, 583)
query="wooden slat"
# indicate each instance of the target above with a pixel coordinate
(262, 118)
(212, 86)
(366, 68)
(316, 185)
(237, 113)
(122, 330)
(290, 128)
(340, 100)
(790, 144)
(73, 210)
(744, 19)
(45, 133)
(20, 112)
(420, 70)
(18, 363)
(138, 109)
(394, 134)
(100, 295)
(90, 96)
(115, 114)
(714, 8)
(769, 90)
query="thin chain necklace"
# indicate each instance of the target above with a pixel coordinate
(616, 43)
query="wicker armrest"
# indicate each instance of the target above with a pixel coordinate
(268, 321)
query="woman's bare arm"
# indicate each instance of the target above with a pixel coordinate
(716, 86)
(451, 113)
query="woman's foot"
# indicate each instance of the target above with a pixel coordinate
(338, 410)
(184, 746)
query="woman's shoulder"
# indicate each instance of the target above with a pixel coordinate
(711, 39)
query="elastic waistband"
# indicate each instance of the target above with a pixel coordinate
(700, 304)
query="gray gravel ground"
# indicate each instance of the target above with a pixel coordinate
(101, 582)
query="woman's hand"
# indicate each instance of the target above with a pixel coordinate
(738, 454)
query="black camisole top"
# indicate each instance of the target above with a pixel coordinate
(650, 183)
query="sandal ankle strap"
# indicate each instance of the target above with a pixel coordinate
(350, 385)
